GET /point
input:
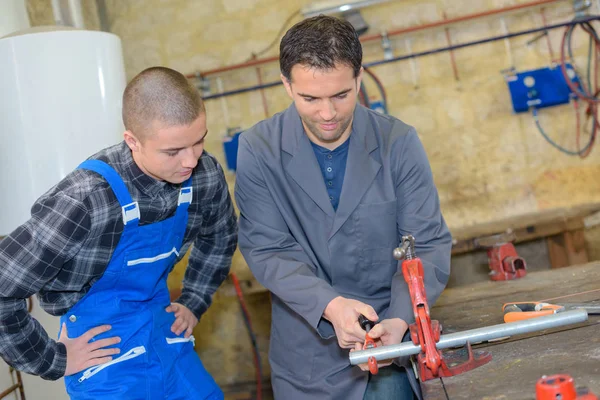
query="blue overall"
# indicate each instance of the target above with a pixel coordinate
(132, 296)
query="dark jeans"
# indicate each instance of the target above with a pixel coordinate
(391, 383)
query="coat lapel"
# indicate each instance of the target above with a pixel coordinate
(361, 169)
(303, 166)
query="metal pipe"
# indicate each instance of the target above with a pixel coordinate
(76, 14)
(233, 67)
(242, 90)
(312, 11)
(462, 18)
(487, 40)
(103, 15)
(68, 13)
(474, 336)
(414, 28)
(421, 54)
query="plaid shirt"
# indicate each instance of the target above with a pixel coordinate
(68, 242)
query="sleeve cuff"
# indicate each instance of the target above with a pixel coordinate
(324, 328)
(59, 364)
(194, 302)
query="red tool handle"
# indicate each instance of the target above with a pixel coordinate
(413, 275)
(367, 324)
(372, 362)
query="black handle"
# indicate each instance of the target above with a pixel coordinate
(365, 323)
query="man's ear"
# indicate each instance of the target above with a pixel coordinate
(132, 141)
(359, 78)
(288, 85)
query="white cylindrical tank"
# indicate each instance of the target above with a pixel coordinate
(60, 101)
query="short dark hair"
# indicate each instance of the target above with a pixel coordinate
(160, 94)
(320, 42)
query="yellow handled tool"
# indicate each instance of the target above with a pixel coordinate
(531, 309)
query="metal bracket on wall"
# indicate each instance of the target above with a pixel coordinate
(451, 52)
(413, 63)
(581, 7)
(511, 60)
(386, 45)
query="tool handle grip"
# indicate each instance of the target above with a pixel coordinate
(522, 316)
(526, 310)
(365, 323)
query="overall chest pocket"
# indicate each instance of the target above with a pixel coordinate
(144, 272)
(377, 236)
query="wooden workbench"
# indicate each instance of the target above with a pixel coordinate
(519, 362)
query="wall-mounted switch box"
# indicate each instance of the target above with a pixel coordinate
(539, 88)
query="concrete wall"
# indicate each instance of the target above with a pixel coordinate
(488, 163)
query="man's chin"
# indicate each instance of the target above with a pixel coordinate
(328, 137)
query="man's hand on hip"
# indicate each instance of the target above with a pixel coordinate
(81, 354)
(343, 314)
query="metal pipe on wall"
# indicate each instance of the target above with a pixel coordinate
(415, 28)
(423, 53)
(68, 13)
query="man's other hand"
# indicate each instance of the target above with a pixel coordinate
(185, 319)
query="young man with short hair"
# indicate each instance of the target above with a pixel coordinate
(100, 245)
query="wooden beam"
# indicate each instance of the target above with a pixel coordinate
(526, 233)
(567, 248)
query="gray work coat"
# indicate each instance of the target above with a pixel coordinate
(306, 253)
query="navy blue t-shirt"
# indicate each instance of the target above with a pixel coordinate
(333, 168)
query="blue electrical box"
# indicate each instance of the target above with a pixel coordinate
(230, 146)
(539, 88)
(377, 106)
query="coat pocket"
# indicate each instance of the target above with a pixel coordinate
(377, 235)
(376, 225)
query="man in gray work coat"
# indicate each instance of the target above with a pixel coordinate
(325, 191)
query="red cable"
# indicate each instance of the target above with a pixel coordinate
(591, 102)
(578, 130)
(238, 290)
(592, 109)
(378, 82)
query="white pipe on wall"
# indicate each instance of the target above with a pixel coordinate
(76, 13)
(57, 11)
(13, 16)
(68, 13)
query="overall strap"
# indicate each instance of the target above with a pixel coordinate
(129, 208)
